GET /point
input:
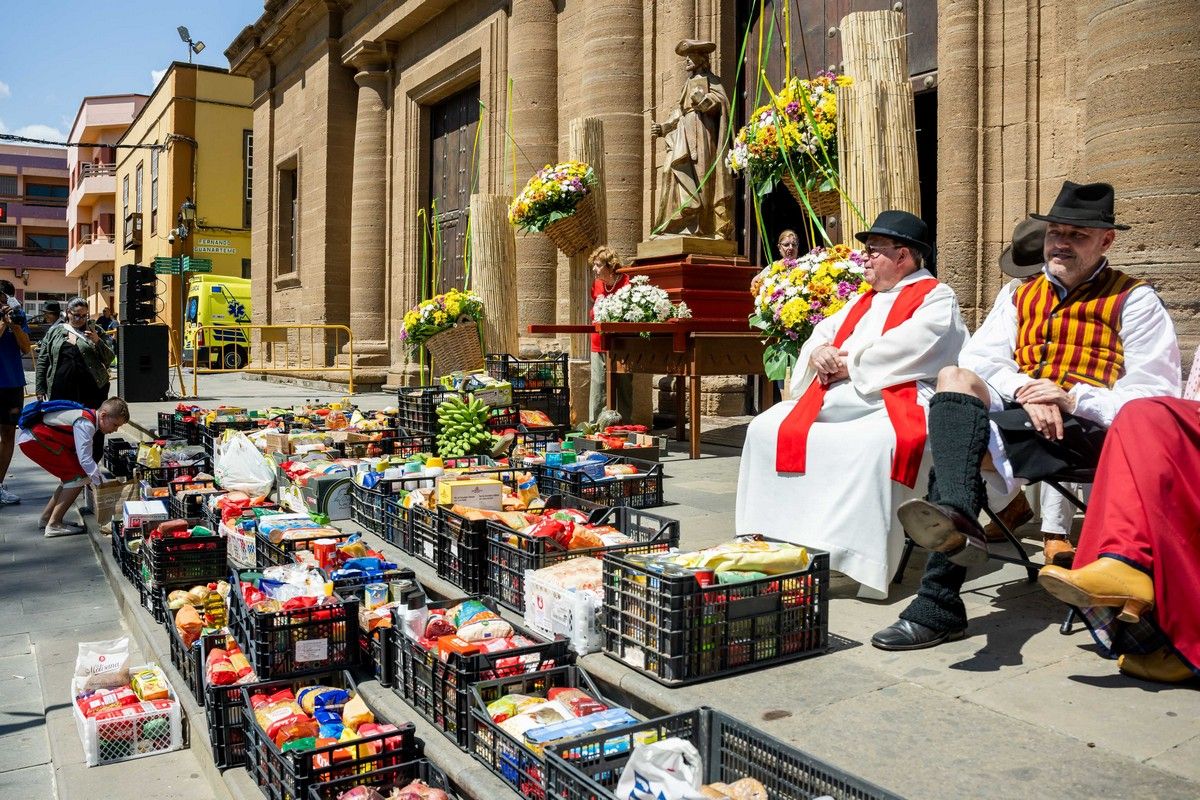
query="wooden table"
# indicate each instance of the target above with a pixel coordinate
(686, 349)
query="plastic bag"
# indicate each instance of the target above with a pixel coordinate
(102, 665)
(666, 770)
(241, 468)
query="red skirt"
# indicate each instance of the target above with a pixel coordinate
(54, 451)
(1145, 510)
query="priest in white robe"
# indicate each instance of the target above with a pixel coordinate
(864, 453)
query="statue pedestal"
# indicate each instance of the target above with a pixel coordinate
(713, 286)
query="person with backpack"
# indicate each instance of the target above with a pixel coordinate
(14, 343)
(57, 435)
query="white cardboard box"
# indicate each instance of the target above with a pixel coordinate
(139, 513)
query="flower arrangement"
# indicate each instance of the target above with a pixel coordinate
(638, 301)
(787, 136)
(439, 313)
(551, 195)
(792, 296)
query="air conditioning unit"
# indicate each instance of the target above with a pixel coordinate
(133, 231)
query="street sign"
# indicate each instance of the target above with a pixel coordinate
(197, 264)
(164, 265)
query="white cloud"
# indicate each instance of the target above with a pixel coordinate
(156, 75)
(4, 90)
(35, 131)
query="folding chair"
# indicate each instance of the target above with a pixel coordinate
(1021, 558)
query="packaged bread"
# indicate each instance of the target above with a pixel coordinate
(189, 624)
(149, 683)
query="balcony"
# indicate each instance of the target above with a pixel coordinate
(133, 231)
(31, 258)
(94, 182)
(91, 251)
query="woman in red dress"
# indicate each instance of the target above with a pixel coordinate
(1136, 579)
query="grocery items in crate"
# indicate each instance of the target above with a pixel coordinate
(462, 427)
(226, 664)
(740, 560)
(569, 529)
(465, 629)
(233, 505)
(415, 790)
(534, 418)
(561, 713)
(159, 454)
(671, 769)
(285, 587)
(122, 712)
(318, 716)
(200, 610)
(382, 600)
(566, 599)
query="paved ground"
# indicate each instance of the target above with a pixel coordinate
(1015, 710)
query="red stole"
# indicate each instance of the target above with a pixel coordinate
(907, 416)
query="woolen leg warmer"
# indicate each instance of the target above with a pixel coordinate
(937, 604)
(958, 437)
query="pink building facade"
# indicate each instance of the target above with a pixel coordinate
(33, 223)
(92, 205)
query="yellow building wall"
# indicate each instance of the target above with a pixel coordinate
(200, 114)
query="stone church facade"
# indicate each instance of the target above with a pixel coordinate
(373, 118)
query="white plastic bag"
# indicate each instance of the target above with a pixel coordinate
(670, 769)
(102, 665)
(241, 468)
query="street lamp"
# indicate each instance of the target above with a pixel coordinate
(193, 47)
(186, 219)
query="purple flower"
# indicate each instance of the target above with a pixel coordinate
(845, 289)
(815, 318)
(816, 305)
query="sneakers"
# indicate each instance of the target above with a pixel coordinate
(7, 498)
(64, 529)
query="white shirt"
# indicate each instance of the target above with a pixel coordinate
(1147, 339)
(83, 430)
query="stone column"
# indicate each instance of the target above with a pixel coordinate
(1146, 49)
(533, 68)
(613, 92)
(957, 153)
(368, 222)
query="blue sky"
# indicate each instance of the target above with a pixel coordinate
(53, 53)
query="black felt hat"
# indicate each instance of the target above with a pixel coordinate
(1025, 256)
(902, 227)
(1084, 205)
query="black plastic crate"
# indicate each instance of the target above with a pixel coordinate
(288, 776)
(556, 403)
(366, 508)
(590, 768)
(166, 424)
(539, 439)
(439, 690)
(504, 755)
(189, 661)
(503, 417)
(178, 559)
(535, 373)
(162, 476)
(354, 584)
(225, 708)
(411, 444)
(510, 553)
(284, 644)
(460, 546)
(643, 490)
(381, 655)
(378, 443)
(418, 408)
(190, 506)
(116, 456)
(384, 779)
(677, 631)
(128, 560)
(270, 554)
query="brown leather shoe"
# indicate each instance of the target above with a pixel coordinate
(1014, 515)
(1058, 550)
(944, 529)
(1104, 582)
(1162, 665)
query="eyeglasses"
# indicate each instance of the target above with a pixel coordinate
(74, 315)
(873, 251)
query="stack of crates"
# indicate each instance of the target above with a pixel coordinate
(541, 384)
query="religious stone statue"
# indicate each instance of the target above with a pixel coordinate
(695, 191)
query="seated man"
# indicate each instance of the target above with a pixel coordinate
(829, 470)
(1139, 553)
(1074, 346)
(60, 442)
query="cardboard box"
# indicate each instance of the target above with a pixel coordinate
(276, 443)
(496, 395)
(485, 493)
(142, 513)
(650, 453)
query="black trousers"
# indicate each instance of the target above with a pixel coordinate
(1033, 457)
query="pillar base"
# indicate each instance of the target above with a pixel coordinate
(369, 353)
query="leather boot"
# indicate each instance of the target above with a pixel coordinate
(1014, 515)
(1058, 550)
(1162, 665)
(1104, 582)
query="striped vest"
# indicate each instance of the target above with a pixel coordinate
(1077, 339)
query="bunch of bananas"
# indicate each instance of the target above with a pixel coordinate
(463, 427)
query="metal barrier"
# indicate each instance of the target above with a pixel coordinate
(274, 350)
